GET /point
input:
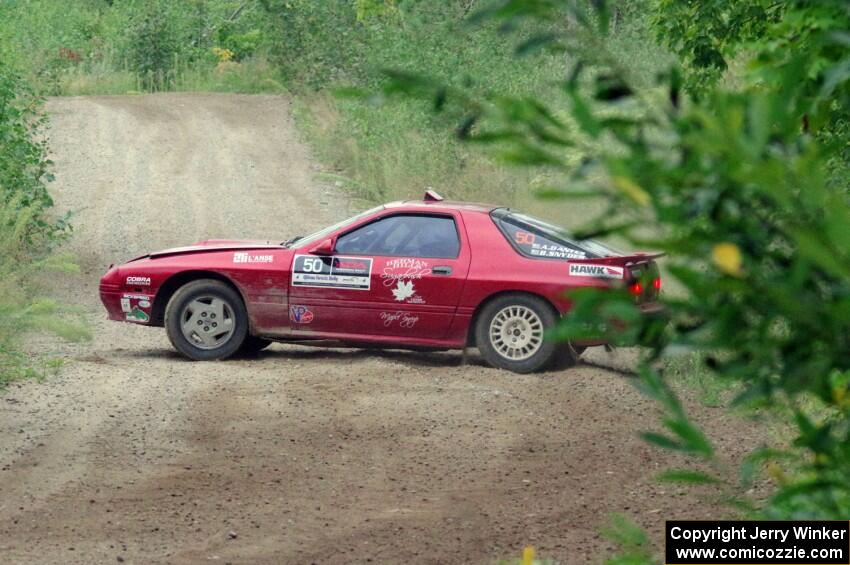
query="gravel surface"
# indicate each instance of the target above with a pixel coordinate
(133, 454)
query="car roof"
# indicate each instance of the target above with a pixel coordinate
(424, 206)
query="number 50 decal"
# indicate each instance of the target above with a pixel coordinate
(524, 238)
(352, 273)
(313, 265)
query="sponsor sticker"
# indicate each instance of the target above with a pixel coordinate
(404, 291)
(136, 307)
(405, 320)
(137, 315)
(596, 271)
(555, 251)
(138, 281)
(524, 238)
(351, 273)
(300, 315)
(244, 257)
(404, 269)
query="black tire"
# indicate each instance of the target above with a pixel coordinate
(179, 312)
(253, 345)
(566, 356)
(525, 354)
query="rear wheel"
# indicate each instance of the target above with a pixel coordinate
(510, 334)
(206, 320)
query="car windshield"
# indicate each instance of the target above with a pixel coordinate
(322, 233)
(547, 240)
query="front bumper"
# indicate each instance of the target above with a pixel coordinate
(126, 306)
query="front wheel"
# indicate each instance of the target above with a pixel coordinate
(205, 320)
(510, 334)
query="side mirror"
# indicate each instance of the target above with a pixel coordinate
(324, 247)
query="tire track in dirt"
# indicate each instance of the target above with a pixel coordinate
(326, 456)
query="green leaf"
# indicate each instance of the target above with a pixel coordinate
(661, 440)
(687, 476)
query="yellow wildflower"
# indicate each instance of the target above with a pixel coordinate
(727, 256)
(631, 189)
(223, 55)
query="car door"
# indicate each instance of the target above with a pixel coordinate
(400, 275)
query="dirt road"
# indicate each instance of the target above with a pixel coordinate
(135, 455)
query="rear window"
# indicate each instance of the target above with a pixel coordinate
(535, 238)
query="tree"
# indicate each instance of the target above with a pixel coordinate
(153, 46)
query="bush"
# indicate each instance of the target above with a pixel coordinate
(153, 47)
(24, 167)
(27, 233)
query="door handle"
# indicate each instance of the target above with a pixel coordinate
(442, 270)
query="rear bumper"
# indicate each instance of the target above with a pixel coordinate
(648, 309)
(651, 309)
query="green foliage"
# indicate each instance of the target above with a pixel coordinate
(383, 151)
(27, 233)
(242, 45)
(24, 166)
(707, 34)
(636, 549)
(734, 187)
(20, 311)
(92, 46)
(772, 41)
(153, 47)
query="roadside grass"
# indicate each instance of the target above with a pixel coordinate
(252, 76)
(22, 307)
(689, 371)
(390, 152)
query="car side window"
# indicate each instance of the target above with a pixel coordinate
(404, 235)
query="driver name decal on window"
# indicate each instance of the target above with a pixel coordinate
(556, 251)
(353, 273)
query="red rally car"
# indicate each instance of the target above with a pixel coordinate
(419, 274)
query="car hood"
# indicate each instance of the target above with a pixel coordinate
(211, 245)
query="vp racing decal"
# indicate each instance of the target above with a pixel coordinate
(300, 315)
(352, 273)
(596, 271)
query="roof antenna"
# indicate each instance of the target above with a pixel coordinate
(431, 195)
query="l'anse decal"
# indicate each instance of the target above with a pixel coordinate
(596, 271)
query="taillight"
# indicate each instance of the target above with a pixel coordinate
(656, 284)
(636, 289)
